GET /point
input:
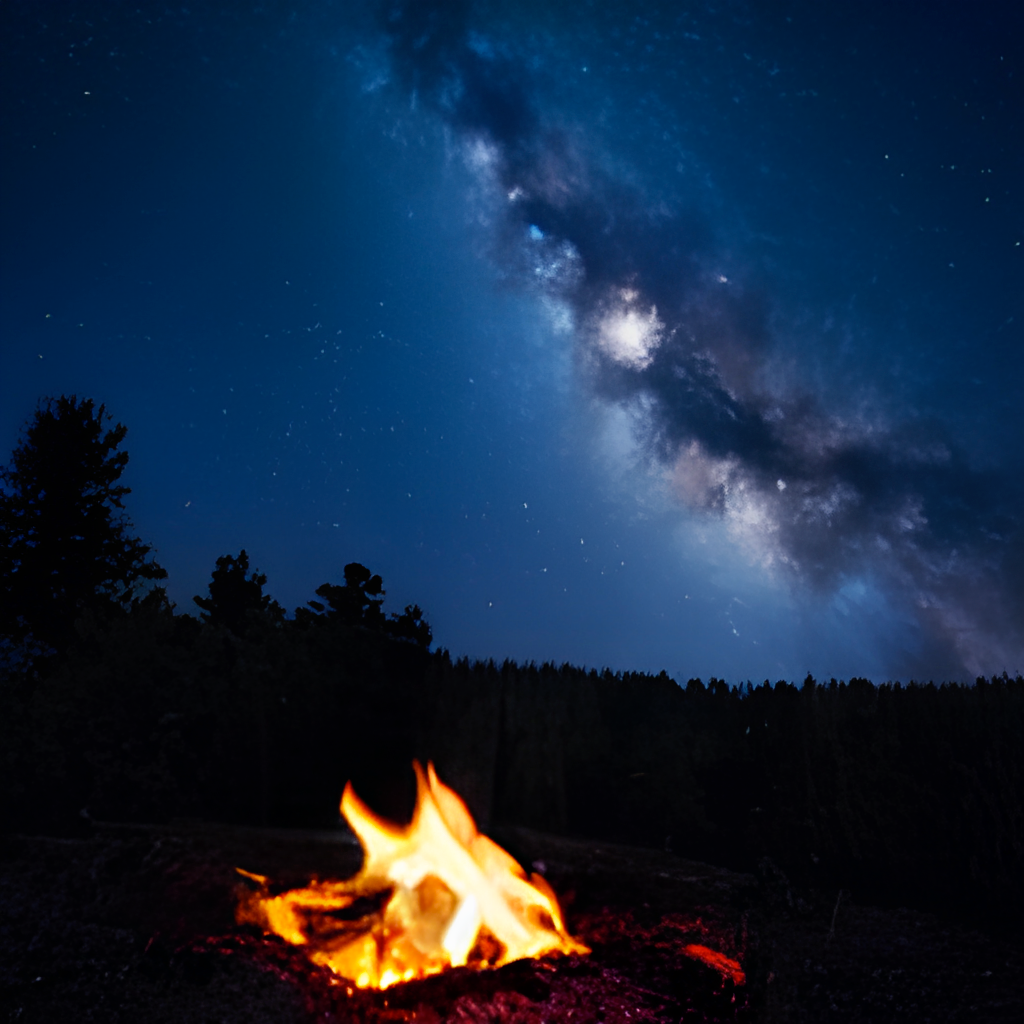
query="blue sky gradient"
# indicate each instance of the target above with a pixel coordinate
(640, 335)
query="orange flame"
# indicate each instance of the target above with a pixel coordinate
(456, 898)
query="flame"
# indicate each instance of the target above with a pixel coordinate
(432, 895)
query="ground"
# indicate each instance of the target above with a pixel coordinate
(133, 923)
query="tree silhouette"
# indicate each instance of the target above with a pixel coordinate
(66, 542)
(410, 625)
(359, 603)
(236, 598)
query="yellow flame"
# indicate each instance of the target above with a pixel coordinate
(456, 898)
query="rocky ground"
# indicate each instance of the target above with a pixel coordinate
(135, 923)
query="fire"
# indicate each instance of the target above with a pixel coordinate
(432, 895)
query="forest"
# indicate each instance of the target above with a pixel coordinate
(117, 706)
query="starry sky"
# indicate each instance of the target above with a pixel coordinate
(680, 336)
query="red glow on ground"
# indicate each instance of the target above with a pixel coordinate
(728, 968)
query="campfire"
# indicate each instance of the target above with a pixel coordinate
(430, 896)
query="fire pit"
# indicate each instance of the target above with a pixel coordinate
(136, 923)
(442, 923)
(429, 897)
(647, 963)
(436, 903)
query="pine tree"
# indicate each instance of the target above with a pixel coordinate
(360, 603)
(236, 599)
(66, 542)
(357, 603)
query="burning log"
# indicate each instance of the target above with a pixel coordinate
(430, 896)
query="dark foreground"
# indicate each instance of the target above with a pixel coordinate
(136, 924)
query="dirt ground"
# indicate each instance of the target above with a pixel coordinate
(136, 923)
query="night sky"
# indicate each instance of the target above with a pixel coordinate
(680, 336)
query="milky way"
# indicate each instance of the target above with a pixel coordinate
(816, 494)
(640, 334)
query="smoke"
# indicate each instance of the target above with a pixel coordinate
(819, 493)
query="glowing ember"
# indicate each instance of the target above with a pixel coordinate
(726, 967)
(433, 895)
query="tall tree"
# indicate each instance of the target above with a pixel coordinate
(236, 598)
(66, 542)
(359, 603)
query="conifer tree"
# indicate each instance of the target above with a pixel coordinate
(360, 603)
(357, 603)
(66, 542)
(236, 599)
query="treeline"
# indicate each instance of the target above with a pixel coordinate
(904, 794)
(115, 706)
(151, 715)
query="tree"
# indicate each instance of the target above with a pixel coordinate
(66, 542)
(410, 625)
(236, 598)
(359, 603)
